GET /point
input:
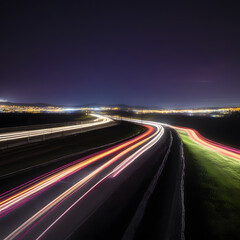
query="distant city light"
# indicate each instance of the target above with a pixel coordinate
(71, 109)
(212, 112)
(3, 100)
(215, 112)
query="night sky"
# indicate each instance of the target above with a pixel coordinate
(152, 53)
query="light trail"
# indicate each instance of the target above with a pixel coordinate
(139, 152)
(9, 202)
(217, 147)
(113, 173)
(39, 132)
(146, 140)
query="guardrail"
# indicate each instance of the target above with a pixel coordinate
(40, 126)
(21, 137)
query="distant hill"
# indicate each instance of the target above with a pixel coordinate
(96, 105)
(122, 106)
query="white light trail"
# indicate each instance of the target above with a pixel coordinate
(40, 132)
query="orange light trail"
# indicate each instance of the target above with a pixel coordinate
(10, 202)
(124, 148)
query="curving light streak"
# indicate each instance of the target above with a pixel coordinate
(116, 171)
(149, 138)
(8, 203)
(133, 157)
(33, 133)
(220, 148)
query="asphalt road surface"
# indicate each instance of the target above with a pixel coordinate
(95, 197)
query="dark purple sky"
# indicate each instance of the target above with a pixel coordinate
(182, 54)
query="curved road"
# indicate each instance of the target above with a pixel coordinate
(46, 207)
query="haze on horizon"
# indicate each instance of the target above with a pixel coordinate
(151, 53)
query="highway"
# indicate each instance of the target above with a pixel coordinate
(217, 147)
(56, 204)
(39, 132)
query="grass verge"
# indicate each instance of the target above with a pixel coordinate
(212, 193)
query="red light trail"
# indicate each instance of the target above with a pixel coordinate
(220, 148)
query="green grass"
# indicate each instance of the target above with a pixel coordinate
(217, 181)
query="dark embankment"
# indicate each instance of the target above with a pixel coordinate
(26, 119)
